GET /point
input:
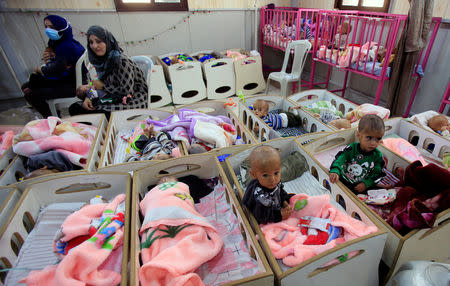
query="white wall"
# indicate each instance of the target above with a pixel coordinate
(23, 38)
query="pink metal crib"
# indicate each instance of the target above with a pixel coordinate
(281, 25)
(370, 31)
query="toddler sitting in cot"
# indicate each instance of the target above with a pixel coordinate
(360, 165)
(265, 196)
(276, 121)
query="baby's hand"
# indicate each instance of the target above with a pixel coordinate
(334, 177)
(286, 211)
(125, 99)
(361, 187)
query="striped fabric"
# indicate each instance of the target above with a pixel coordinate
(389, 179)
(273, 120)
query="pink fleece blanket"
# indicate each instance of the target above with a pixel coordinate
(74, 140)
(88, 263)
(6, 140)
(176, 239)
(286, 241)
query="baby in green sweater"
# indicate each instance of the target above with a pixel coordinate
(360, 165)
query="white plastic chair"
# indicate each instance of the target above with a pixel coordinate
(67, 101)
(155, 81)
(301, 49)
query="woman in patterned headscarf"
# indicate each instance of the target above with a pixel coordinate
(120, 80)
(56, 78)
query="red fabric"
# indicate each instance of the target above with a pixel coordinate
(319, 239)
(424, 192)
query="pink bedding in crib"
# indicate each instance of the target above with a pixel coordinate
(288, 243)
(70, 138)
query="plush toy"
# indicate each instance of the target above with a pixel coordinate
(341, 123)
(365, 109)
(439, 124)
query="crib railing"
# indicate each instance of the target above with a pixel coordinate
(354, 40)
(281, 25)
(373, 37)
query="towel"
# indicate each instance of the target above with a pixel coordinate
(176, 239)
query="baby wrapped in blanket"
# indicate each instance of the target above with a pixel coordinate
(90, 245)
(72, 139)
(289, 242)
(176, 239)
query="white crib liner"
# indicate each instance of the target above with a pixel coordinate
(37, 250)
(121, 146)
(229, 242)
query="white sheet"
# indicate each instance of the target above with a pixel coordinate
(37, 250)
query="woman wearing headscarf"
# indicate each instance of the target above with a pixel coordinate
(56, 78)
(120, 84)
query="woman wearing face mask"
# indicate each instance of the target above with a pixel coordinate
(56, 78)
(120, 84)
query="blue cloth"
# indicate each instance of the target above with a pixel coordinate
(273, 120)
(51, 160)
(66, 47)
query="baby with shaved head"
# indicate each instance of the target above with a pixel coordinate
(265, 196)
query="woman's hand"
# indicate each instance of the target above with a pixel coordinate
(48, 55)
(87, 104)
